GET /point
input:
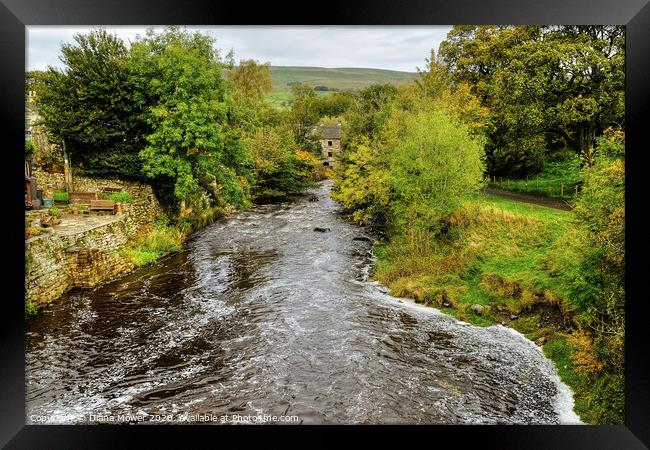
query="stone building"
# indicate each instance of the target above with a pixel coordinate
(330, 141)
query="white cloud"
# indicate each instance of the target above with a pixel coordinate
(384, 47)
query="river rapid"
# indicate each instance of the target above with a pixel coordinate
(262, 316)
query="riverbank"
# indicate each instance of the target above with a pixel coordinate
(510, 263)
(84, 251)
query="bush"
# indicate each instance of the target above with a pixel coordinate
(61, 196)
(160, 241)
(121, 197)
(29, 148)
(54, 211)
(30, 308)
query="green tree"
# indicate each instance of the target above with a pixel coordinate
(546, 87)
(303, 116)
(598, 291)
(433, 163)
(278, 169)
(88, 107)
(251, 80)
(178, 75)
(368, 113)
(600, 209)
(416, 171)
(335, 105)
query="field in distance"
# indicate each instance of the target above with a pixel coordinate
(334, 79)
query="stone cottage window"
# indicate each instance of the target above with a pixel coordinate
(329, 143)
(326, 163)
(329, 153)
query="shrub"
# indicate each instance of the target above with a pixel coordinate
(160, 241)
(30, 307)
(61, 196)
(54, 211)
(121, 197)
(29, 148)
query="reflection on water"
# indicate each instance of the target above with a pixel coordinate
(259, 314)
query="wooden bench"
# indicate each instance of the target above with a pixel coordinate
(110, 190)
(82, 197)
(102, 205)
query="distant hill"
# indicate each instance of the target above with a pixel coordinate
(346, 78)
(342, 79)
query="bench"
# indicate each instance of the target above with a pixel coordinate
(110, 190)
(102, 205)
(82, 197)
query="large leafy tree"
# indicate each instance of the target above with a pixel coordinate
(88, 107)
(546, 87)
(404, 177)
(251, 80)
(303, 116)
(178, 75)
(249, 83)
(278, 167)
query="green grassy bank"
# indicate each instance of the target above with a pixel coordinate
(511, 263)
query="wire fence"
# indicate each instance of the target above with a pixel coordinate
(558, 187)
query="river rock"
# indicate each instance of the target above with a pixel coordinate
(541, 341)
(513, 316)
(361, 238)
(477, 309)
(322, 230)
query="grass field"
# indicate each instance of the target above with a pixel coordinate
(341, 79)
(282, 99)
(556, 180)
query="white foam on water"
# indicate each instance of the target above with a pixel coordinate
(563, 402)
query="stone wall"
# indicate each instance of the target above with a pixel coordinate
(144, 209)
(54, 264)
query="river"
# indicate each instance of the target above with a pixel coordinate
(260, 315)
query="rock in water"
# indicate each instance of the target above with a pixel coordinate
(313, 198)
(321, 230)
(361, 238)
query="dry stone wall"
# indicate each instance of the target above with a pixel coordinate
(144, 208)
(55, 263)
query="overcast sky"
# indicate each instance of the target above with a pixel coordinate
(382, 47)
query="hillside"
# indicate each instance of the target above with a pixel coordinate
(342, 79)
(339, 78)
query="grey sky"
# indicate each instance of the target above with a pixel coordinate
(383, 47)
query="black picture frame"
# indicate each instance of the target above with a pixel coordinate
(15, 15)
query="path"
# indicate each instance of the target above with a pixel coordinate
(542, 201)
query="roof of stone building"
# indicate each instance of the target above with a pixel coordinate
(330, 131)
